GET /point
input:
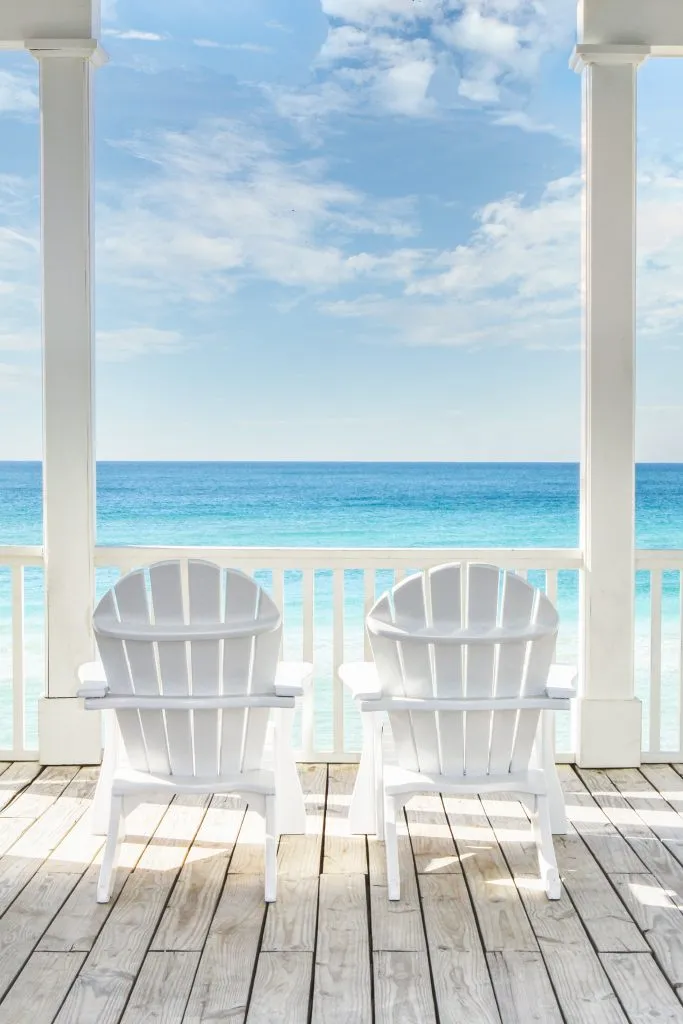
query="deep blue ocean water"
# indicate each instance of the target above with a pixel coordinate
(347, 505)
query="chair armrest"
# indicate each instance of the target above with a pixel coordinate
(292, 678)
(362, 679)
(562, 681)
(92, 679)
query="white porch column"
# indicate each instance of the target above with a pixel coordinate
(67, 734)
(609, 717)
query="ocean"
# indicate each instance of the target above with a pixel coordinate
(345, 505)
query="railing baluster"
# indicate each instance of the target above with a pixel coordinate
(279, 599)
(369, 600)
(308, 611)
(680, 663)
(337, 659)
(655, 660)
(18, 682)
(551, 585)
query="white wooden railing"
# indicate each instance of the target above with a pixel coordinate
(15, 744)
(325, 593)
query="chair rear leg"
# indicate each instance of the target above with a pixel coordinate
(391, 844)
(543, 837)
(271, 849)
(111, 850)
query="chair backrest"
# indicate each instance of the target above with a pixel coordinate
(204, 633)
(467, 632)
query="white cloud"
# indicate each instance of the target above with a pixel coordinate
(211, 44)
(18, 94)
(131, 342)
(132, 33)
(223, 207)
(384, 54)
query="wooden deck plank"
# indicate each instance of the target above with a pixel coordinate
(26, 855)
(589, 903)
(461, 978)
(403, 993)
(652, 808)
(396, 925)
(300, 856)
(658, 917)
(281, 989)
(341, 988)
(609, 952)
(35, 796)
(187, 917)
(40, 989)
(502, 920)
(562, 927)
(650, 855)
(589, 809)
(162, 989)
(14, 779)
(221, 986)
(36, 905)
(343, 853)
(430, 835)
(104, 983)
(523, 989)
(81, 918)
(642, 989)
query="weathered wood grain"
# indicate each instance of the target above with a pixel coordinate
(221, 986)
(162, 989)
(39, 990)
(187, 917)
(430, 836)
(502, 920)
(343, 853)
(461, 978)
(281, 989)
(341, 987)
(642, 989)
(403, 993)
(523, 989)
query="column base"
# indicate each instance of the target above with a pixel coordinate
(67, 733)
(608, 733)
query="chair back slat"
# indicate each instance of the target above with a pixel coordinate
(517, 601)
(201, 742)
(410, 608)
(168, 607)
(133, 607)
(387, 656)
(470, 633)
(483, 582)
(445, 587)
(204, 589)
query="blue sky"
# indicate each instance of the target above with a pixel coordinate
(340, 229)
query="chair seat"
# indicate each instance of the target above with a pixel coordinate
(399, 780)
(129, 780)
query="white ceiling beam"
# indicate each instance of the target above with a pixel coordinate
(657, 24)
(23, 20)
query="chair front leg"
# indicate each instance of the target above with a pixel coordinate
(101, 804)
(556, 807)
(291, 807)
(365, 810)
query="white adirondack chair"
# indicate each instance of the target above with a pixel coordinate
(191, 674)
(462, 664)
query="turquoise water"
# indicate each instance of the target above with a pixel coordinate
(345, 505)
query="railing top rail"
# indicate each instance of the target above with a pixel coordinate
(343, 558)
(11, 554)
(661, 558)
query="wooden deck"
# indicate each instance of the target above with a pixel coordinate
(187, 937)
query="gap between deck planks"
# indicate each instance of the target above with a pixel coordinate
(187, 938)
